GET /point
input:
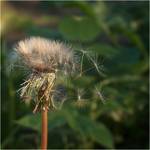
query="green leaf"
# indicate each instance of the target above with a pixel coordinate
(34, 121)
(104, 50)
(89, 128)
(43, 32)
(98, 132)
(79, 28)
(124, 62)
(31, 121)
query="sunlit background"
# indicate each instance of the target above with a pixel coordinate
(112, 108)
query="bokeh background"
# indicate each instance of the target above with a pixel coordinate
(118, 34)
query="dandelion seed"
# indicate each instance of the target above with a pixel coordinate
(93, 58)
(80, 93)
(100, 95)
(81, 101)
(59, 96)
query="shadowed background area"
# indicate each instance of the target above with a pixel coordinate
(105, 110)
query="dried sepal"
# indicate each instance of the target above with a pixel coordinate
(39, 88)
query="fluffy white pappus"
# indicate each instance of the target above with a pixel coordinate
(44, 55)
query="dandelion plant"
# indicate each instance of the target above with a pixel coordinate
(47, 60)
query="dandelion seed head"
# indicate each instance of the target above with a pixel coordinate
(42, 54)
(46, 58)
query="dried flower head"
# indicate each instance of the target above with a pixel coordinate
(45, 58)
(41, 54)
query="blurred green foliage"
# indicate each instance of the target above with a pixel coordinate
(117, 35)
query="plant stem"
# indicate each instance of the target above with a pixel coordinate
(44, 129)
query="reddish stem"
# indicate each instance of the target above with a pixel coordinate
(44, 135)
